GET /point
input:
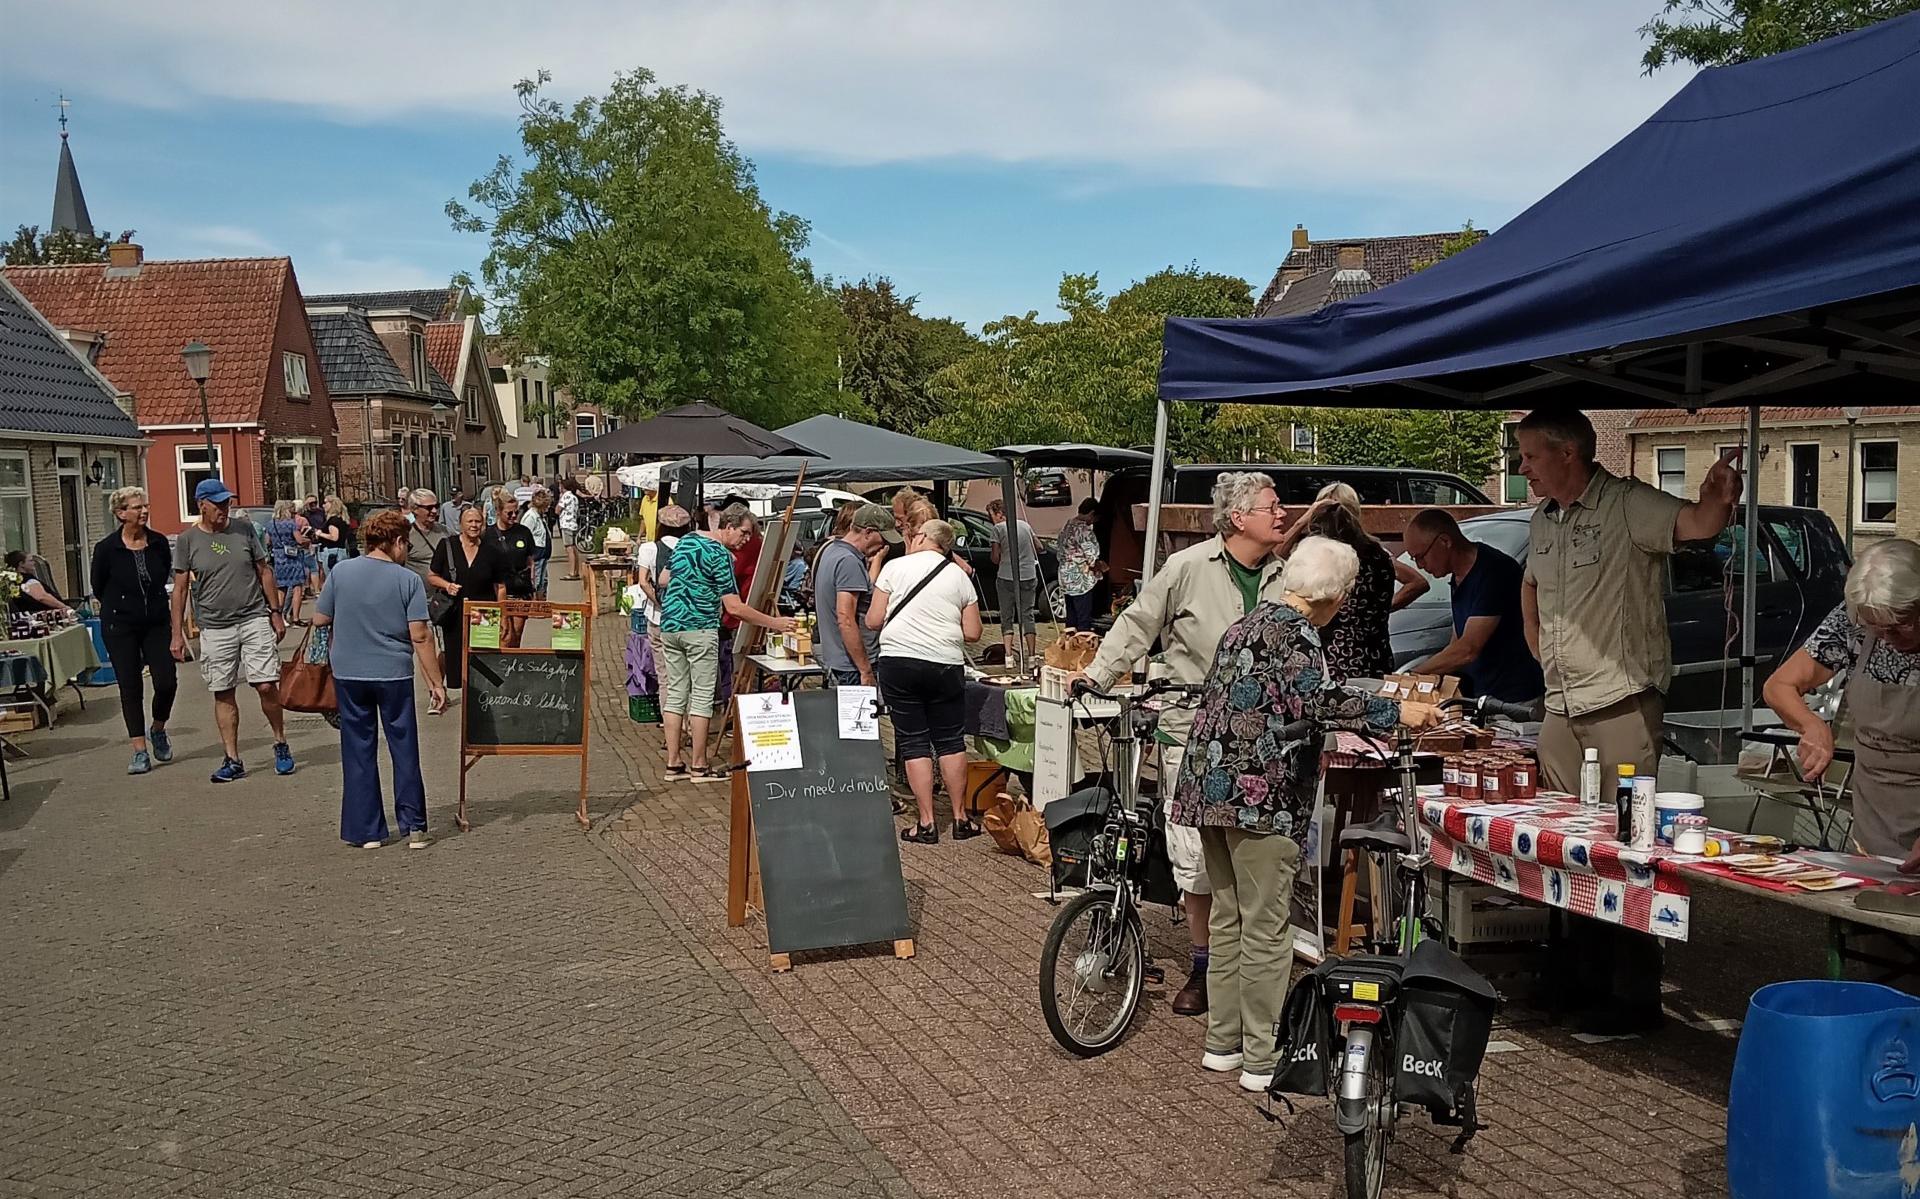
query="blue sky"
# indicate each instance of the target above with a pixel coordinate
(973, 153)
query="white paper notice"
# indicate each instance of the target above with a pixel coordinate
(859, 720)
(772, 732)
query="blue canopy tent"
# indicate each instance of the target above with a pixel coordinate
(1757, 240)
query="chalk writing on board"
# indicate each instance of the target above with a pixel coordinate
(826, 787)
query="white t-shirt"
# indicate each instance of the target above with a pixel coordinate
(647, 558)
(569, 512)
(929, 628)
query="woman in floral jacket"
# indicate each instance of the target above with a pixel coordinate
(1250, 791)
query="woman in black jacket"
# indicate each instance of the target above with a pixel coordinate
(130, 571)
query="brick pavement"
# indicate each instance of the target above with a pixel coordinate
(945, 1064)
(205, 993)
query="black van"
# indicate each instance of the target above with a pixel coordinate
(1298, 485)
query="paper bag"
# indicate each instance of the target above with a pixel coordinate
(1017, 829)
(1074, 651)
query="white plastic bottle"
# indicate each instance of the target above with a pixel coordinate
(1590, 779)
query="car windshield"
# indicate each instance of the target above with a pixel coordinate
(1503, 533)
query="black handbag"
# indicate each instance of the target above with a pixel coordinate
(1444, 1021)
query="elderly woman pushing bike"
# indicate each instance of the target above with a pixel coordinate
(1250, 789)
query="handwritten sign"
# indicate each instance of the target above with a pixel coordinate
(524, 699)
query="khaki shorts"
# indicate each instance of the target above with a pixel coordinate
(689, 665)
(1183, 843)
(248, 650)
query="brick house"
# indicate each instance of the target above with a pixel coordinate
(409, 378)
(536, 419)
(271, 417)
(1315, 274)
(67, 441)
(1803, 459)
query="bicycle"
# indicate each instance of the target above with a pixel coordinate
(1364, 991)
(1096, 949)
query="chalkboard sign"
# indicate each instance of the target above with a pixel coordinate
(829, 855)
(515, 699)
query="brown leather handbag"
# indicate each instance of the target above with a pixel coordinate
(306, 679)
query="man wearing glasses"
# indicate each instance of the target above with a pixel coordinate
(1187, 607)
(1489, 647)
(424, 534)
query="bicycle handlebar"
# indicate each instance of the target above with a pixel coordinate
(1085, 687)
(1484, 706)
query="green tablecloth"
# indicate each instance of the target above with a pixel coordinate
(1016, 754)
(64, 655)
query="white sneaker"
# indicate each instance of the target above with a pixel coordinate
(371, 844)
(418, 839)
(1221, 1063)
(1255, 1082)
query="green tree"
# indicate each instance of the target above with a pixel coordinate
(631, 249)
(1090, 377)
(60, 247)
(1716, 33)
(888, 352)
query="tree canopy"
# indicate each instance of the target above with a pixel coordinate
(57, 247)
(630, 248)
(1716, 33)
(889, 352)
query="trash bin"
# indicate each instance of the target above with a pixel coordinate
(1825, 1101)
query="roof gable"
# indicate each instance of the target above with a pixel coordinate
(47, 389)
(433, 303)
(231, 304)
(444, 342)
(353, 359)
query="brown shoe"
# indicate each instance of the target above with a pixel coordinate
(1192, 998)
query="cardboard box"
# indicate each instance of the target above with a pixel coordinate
(1421, 688)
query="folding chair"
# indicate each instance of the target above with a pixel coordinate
(1824, 799)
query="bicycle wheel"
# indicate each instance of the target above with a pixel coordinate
(1091, 973)
(1366, 1150)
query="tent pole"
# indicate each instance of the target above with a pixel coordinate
(1748, 565)
(1157, 481)
(699, 486)
(1010, 511)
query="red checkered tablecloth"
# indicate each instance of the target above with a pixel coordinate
(1561, 854)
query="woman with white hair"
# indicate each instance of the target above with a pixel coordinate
(1250, 791)
(1874, 635)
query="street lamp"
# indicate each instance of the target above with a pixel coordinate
(199, 359)
(1853, 420)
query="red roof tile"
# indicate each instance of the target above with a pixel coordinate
(231, 304)
(1667, 418)
(443, 348)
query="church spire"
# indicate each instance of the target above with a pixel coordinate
(69, 202)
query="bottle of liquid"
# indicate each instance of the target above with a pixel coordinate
(1623, 804)
(1590, 779)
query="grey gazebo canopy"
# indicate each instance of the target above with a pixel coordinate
(855, 453)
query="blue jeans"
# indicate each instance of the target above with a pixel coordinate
(1080, 612)
(363, 815)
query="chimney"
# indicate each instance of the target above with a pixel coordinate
(1352, 256)
(1299, 237)
(123, 260)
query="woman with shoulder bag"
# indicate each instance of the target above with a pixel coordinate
(475, 569)
(131, 566)
(926, 609)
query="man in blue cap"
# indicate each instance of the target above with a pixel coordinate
(220, 559)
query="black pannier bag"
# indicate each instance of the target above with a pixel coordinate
(1305, 1038)
(1445, 1018)
(1156, 879)
(1073, 821)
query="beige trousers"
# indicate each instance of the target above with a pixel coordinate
(1252, 949)
(1626, 732)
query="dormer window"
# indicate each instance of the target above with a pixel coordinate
(419, 340)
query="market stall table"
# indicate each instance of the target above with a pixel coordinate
(609, 566)
(64, 654)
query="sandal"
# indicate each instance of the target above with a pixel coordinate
(921, 834)
(711, 774)
(964, 830)
(677, 774)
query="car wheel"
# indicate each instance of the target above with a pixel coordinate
(1057, 604)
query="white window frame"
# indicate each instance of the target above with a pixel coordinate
(1819, 452)
(190, 511)
(472, 404)
(293, 370)
(418, 340)
(24, 491)
(306, 465)
(1302, 440)
(1860, 483)
(1660, 472)
(482, 466)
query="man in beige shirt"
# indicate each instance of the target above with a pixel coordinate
(1594, 605)
(1594, 596)
(1187, 608)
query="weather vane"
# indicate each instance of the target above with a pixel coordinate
(63, 106)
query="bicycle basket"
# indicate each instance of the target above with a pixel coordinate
(1073, 821)
(1441, 1030)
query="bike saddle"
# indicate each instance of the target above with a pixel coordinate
(1381, 834)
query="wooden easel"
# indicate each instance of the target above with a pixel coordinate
(470, 755)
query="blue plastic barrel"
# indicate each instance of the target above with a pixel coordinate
(101, 675)
(1825, 1102)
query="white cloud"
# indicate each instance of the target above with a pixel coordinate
(1500, 99)
(223, 240)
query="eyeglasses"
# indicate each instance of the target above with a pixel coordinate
(1274, 510)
